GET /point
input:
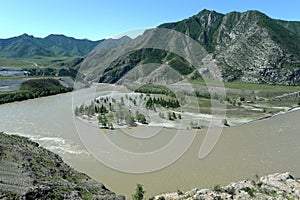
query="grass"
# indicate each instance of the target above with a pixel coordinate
(204, 105)
(31, 77)
(252, 86)
(37, 62)
(248, 86)
(11, 77)
(13, 62)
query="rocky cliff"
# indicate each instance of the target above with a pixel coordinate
(28, 171)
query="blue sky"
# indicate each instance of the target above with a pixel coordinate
(97, 19)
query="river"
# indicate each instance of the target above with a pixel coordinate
(241, 152)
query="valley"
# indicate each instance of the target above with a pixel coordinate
(141, 110)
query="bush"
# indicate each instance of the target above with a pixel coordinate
(141, 118)
(250, 191)
(217, 188)
(139, 193)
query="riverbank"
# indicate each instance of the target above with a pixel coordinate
(28, 171)
(34, 88)
(273, 186)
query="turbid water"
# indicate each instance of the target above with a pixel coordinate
(242, 152)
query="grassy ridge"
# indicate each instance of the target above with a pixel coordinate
(33, 89)
(40, 62)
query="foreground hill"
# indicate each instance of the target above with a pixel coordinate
(248, 46)
(28, 171)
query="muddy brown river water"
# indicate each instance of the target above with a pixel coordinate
(241, 152)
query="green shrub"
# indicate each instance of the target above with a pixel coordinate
(250, 191)
(217, 188)
(139, 193)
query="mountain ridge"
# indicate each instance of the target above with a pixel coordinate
(52, 45)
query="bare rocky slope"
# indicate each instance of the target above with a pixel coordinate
(28, 171)
(274, 186)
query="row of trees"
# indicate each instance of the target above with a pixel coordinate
(171, 115)
(155, 89)
(92, 109)
(122, 116)
(169, 103)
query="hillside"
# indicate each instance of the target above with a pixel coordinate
(26, 46)
(248, 46)
(28, 171)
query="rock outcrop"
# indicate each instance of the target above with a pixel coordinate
(28, 171)
(273, 186)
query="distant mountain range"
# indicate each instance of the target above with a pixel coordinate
(248, 46)
(26, 46)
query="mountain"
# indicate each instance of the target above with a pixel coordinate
(26, 46)
(28, 171)
(248, 46)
